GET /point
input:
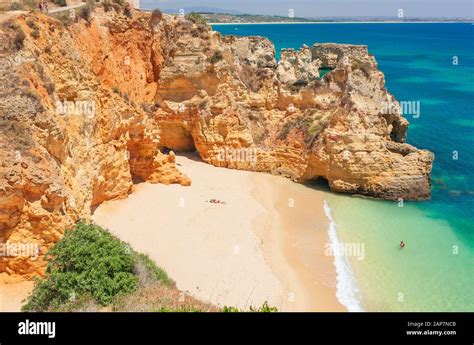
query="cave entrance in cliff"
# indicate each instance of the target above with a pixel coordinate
(319, 183)
(175, 136)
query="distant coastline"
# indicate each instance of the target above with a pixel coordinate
(350, 22)
(222, 18)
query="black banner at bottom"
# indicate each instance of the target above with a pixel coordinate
(236, 328)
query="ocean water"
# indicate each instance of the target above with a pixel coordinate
(435, 271)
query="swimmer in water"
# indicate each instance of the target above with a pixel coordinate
(402, 244)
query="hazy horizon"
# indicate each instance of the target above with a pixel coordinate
(328, 8)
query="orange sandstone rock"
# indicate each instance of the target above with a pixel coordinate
(90, 109)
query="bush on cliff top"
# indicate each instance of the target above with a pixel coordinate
(87, 261)
(156, 17)
(16, 6)
(60, 2)
(19, 38)
(216, 57)
(196, 18)
(85, 12)
(265, 308)
(127, 11)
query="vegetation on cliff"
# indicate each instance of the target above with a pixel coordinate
(90, 270)
(196, 18)
(91, 266)
(265, 308)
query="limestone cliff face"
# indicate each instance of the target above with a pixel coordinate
(228, 98)
(75, 130)
(90, 109)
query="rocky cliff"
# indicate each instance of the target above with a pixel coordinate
(90, 108)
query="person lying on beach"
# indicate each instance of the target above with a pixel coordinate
(216, 201)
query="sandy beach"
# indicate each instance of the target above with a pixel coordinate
(266, 243)
(13, 291)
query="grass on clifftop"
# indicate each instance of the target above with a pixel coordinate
(90, 269)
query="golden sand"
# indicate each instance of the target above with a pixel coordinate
(258, 246)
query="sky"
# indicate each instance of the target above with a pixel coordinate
(330, 8)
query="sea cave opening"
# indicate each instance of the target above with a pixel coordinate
(324, 70)
(319, 183)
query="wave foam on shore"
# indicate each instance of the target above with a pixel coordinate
(347, 292)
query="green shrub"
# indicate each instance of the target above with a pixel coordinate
(365, 67)
(182, 309)
(287, 127)
(157, 13)
(31, 24)
(309, 125)
(31, 4)
(107, 5)
(216, 57)
(30, 93)
(148, 271)
(116, 7)
(156, 17)
(196, 18)
(85, 12)
(200, 30)
(19, 39)
(60, 2)
(16, 6)
(35, 34)
(87, 261)
(265, 308)
(63, 17)
(50, 87)
(16, 133)
(127, 11)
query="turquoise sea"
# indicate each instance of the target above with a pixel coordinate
(435, 271)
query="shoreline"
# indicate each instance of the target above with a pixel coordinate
(294, 241)
(251, 250)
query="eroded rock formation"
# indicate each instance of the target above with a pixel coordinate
(90, 109)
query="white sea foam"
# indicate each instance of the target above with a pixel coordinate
(346, 288)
